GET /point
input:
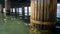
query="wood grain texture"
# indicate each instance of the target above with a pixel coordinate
(7, 7)
(43, 10)
(43, 13)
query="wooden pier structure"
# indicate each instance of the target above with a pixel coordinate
(43, 16)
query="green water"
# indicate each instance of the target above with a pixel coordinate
(10, 25)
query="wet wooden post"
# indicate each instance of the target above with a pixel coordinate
(27, 10)
(16, 12)
(43, 16)
(23, 11)
(1, 8)
(7, 7)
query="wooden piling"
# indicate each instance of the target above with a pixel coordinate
(43, 16)
(23, 11)
(1, 8)
(7, 7)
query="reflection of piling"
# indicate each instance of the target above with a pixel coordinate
(43, 16)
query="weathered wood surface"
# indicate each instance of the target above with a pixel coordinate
(0, 8)
(7, 7)
(43, 12)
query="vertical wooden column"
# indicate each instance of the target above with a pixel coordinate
(1, 8)
(43, 16)
(7, 7)
(15, 12)
(23, 11)
(28, 11)
(18, 11)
